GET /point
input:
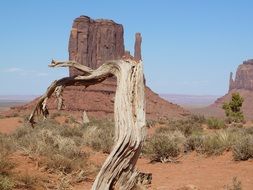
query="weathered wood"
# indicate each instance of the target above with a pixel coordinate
(118, 171)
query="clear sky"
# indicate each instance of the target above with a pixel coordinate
(189, 46)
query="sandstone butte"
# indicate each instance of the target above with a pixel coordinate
(242, 83)
(91, 43)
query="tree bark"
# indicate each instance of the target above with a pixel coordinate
(118, 171)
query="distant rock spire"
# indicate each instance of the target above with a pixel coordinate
(137, 47)
(231, 82)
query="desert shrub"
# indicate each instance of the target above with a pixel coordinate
(99, 135)
(187, 127)
(6, 148)
(193, 142)
(214, 123)
(249, 130)
(25, 181)
(198, 119)
(236, 185)
(59, 146)
(150, 123)
(64, 164)
(5, 166)
(164, 146)
(217, 143)
(6, 183)
(233, 109)
(54, 115)
(243, 147)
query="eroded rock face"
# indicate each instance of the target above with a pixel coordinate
(243, 78)
(243, 84)
(92, 42)
(137, 47)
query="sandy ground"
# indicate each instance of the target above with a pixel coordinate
(8, 125)
(205, 173)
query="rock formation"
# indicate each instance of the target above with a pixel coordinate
(137, 47)
(243, 78)
(91, 43)
(243, 83)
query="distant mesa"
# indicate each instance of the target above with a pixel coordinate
(242, 83)
(91, 43)
(243, 78)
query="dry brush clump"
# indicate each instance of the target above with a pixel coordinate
(57, 148)
(164, 147)
(60, 145)
(236, 185)
(99, 135)
(164, 143)
(215, 123)
(6, 148)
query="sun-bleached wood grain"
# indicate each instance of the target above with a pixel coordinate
(118, 171)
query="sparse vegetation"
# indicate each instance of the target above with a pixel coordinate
(160, 146)
(6, 182)
(233, 109)
(60, 147)
(99, 135)
(164, 146)
(236, 185)
(25, 181)
(215, 123)
(243, 147)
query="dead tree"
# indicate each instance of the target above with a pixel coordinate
(118, 171)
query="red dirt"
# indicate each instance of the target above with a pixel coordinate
(205, 173)
(9, 125)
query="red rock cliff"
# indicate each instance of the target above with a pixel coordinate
(92, 42)
(243, 78)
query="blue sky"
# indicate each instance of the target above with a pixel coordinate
(189, 46)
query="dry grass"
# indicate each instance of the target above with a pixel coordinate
(6, 182)
(99, 136)
(236, 185)
(164, 144)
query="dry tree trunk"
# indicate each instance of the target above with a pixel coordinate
(118, 171)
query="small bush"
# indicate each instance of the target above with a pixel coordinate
(5, 166)
(198, 119)
(26, 181)
(194, 142)
(214, 123)
(6, 148)
(6, 183)
(164, 146)
(100, 136)
(243, 147)
(187, 127)
(59, 146)
(237, 185)
(217, 143)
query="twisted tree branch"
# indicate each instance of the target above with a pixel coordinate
(118, 171)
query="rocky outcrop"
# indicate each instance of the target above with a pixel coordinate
(91, 43)
(137, 47)
(243, 83)
(243, 78)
